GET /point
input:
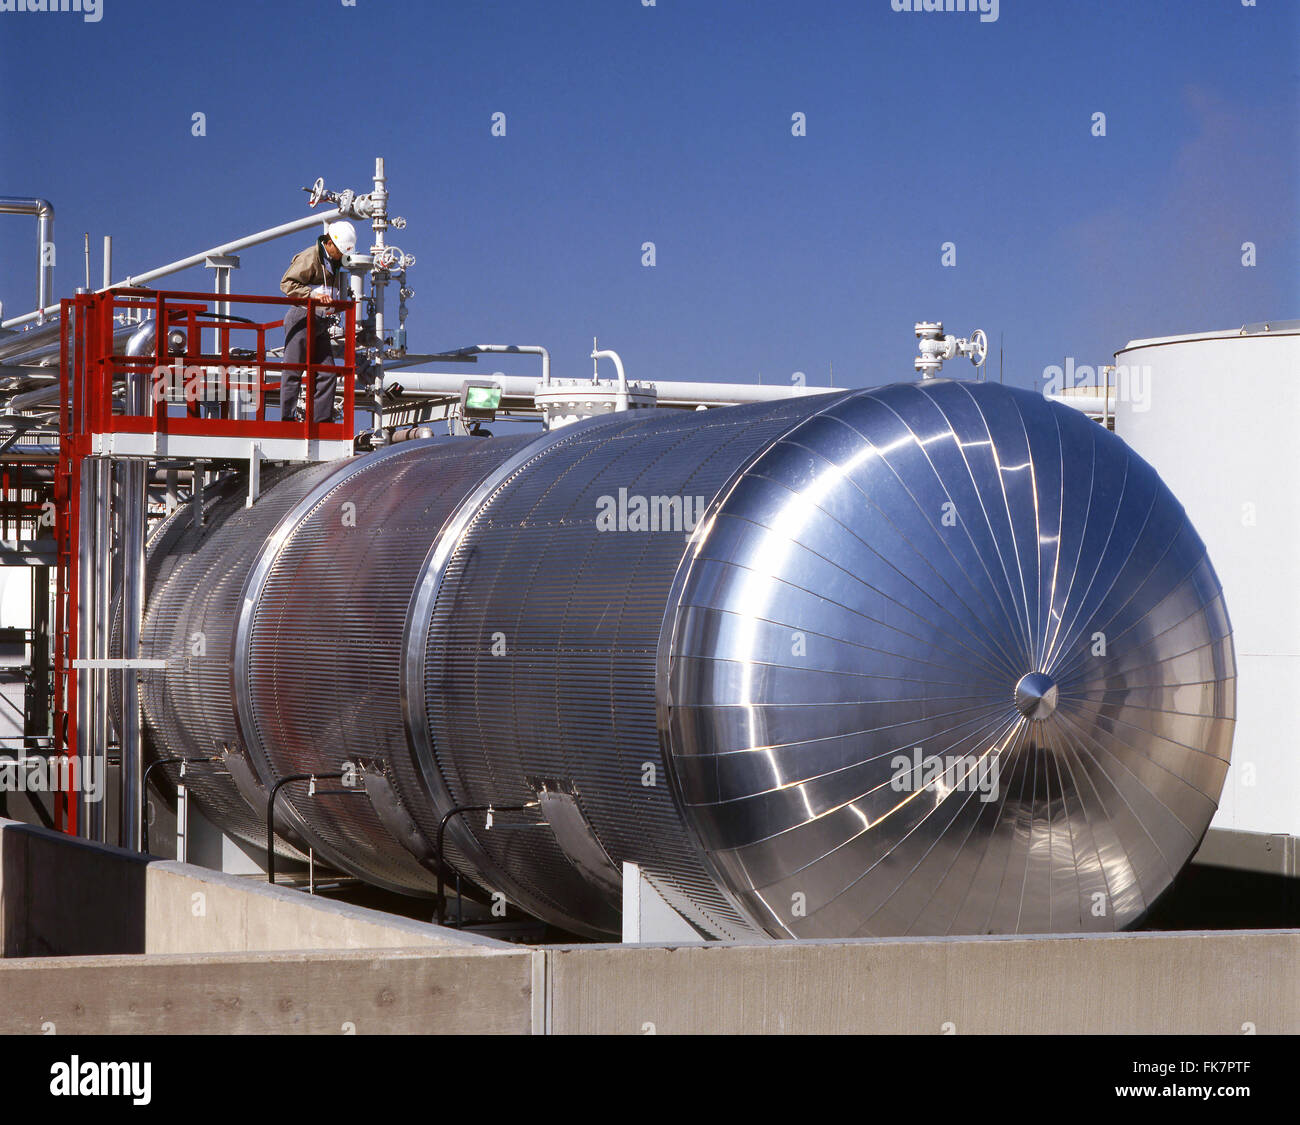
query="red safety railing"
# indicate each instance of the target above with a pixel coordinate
(179, 401)
(179, 376)
(21, 500)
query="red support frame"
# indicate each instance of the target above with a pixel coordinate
(88, 371)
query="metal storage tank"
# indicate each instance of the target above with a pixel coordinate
(935, 658)
(1216, 414)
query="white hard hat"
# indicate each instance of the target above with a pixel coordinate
(343, 235)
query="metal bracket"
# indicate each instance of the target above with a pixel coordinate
(241, 773)
(197, 473)
(254, 473)
(576, 838)
(392, 814)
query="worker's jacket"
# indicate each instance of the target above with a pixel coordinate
(306, 271)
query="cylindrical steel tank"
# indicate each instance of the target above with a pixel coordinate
(1215, 414)
(935, 658)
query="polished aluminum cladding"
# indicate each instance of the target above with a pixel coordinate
(537, 668)
(936, 658)
(319, 647)
(950, 660)
(194, 581)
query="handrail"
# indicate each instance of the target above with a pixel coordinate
(144, 789)
(440, 902)
(92, 405)
(270, 811)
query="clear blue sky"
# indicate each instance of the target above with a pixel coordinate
(672, 124)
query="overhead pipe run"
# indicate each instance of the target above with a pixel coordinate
(42, 347)
(511, 349)
(671, 392)
(136, 280)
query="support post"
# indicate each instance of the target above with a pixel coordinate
(85, 540)
(131, 833)
(221, 265)
(37, 721)
(254, 473)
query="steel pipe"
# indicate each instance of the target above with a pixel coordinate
(41, 345)
(512, 349)
(44, 212)
(133, 502)
(670, 392)
(141, 279)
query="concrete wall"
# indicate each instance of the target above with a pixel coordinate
(484, 991)
(61, 897)
(1214, 983)
(1182, 983)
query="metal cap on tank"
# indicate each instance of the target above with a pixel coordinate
(950, 659)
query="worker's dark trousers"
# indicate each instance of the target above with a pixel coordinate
(295, 351)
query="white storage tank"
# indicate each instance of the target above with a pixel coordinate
(1218, 416)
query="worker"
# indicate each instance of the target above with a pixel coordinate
(317, 272)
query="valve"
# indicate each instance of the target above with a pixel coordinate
(393, 259)
(347, 201)
(935, 347)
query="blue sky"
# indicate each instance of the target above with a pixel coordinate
(672, 124)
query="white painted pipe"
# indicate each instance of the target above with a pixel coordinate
(605, 353)
(1098, 403)
(517, 349)
(43, 210)
(670, 392)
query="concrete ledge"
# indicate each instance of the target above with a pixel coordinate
(480, 991)
(60, 896)
(1269, 854)
(1167, 983)
(1209, 983)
